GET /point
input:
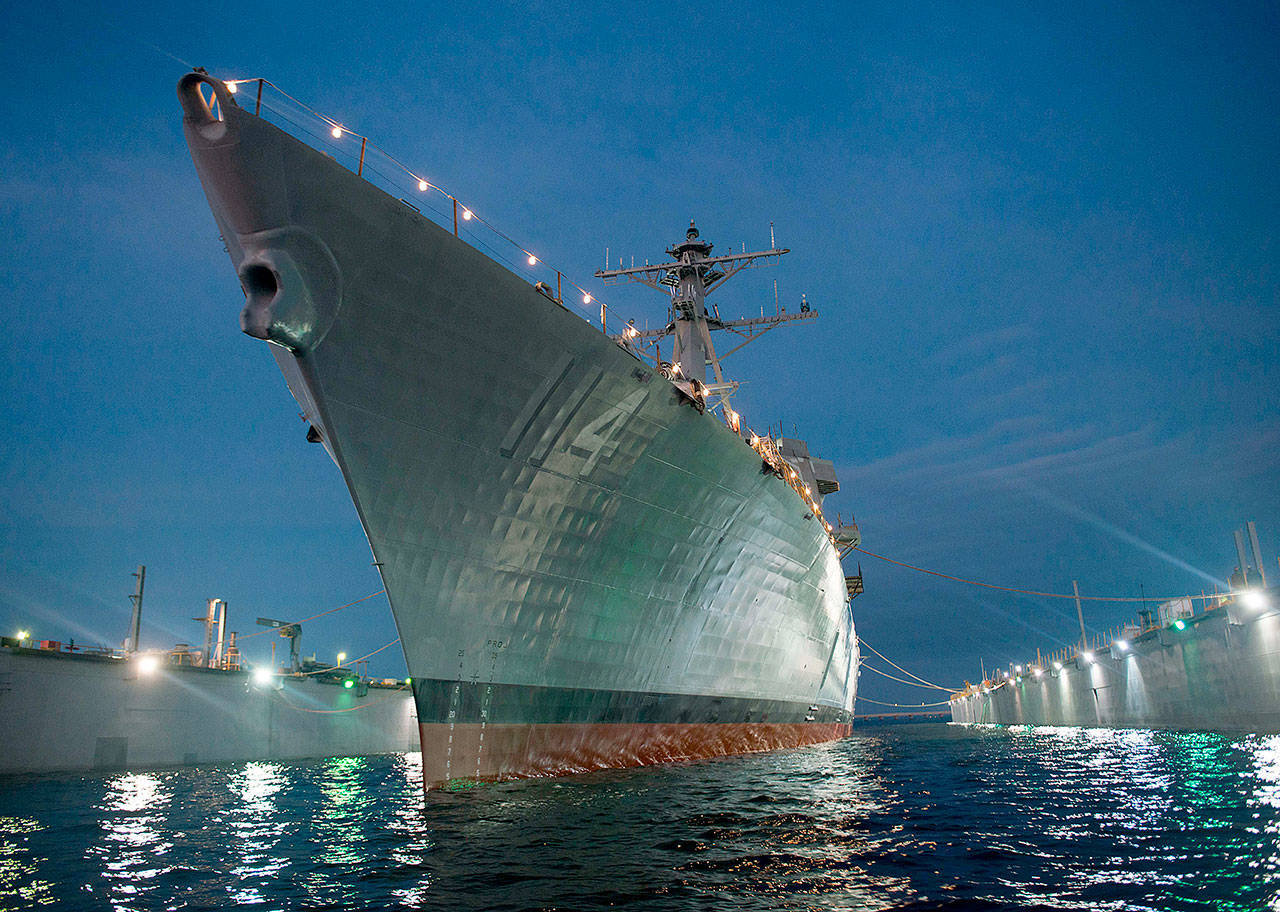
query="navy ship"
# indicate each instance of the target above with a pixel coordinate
(590, 562)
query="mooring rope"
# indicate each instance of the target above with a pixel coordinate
(866, 667)
(250, 636)
(1055, 595)
(862, 642)
(904, 705)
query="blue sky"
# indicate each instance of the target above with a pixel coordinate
(1042, 243)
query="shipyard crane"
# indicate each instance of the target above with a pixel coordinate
(293, 632)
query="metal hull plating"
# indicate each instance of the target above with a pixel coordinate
(563, 541)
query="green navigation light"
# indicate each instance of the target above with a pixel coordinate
(1179, 624)
(348, 683)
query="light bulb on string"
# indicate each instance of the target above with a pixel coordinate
(231, 87)
(586, 299)
(423, 185)
(466, 215)
(336, 132)
(533, 260)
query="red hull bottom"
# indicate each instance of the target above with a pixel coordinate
(476, 752)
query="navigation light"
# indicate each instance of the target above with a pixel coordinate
(348, 683)
(1179, 624)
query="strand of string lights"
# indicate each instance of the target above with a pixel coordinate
(338, 131)
(764, 445)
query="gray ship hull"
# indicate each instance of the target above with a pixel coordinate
(584, 570)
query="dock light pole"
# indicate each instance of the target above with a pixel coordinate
(1084, 637)
(135, 622)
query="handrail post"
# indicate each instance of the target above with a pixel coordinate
(360, 167)
(602, 329)
(455, 218)
(559, 297)
(257, 105)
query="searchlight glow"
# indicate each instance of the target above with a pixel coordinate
(262, 675)
(1254, 599)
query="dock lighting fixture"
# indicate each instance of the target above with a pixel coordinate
(342, 657)
(1018, 669)
(1179, 624)
(336, 132)
(262, 675)
(1254, 599)
(1088, 657)
(1057, 666)
(586, 299)
(1122, 645)
(232, 87)
(348, 684)
(408, 680)
(466, 215)
(147, 665)
(1039, 672)
(533, 260)
(423, 185)
(24, 635)
(1006, 675)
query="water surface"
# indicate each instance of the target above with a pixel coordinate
(896, 817)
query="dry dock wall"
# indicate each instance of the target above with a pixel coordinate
(1216, 675)
(64, 713)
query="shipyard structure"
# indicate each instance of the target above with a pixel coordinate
(69, 709)
(1212, 669)
(591, 560)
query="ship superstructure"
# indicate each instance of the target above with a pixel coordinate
(588, 566)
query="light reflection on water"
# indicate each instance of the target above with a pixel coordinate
(1056, 818)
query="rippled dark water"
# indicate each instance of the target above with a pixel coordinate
(897, 817)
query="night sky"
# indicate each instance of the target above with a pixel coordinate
(1042, 243)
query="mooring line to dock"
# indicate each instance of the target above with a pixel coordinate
(886, 674)
(320, 615)
(862, 642)
(355, 661)
(1055, 595)
(905, 705)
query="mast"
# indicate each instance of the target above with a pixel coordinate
(135, 619)
(690, 276)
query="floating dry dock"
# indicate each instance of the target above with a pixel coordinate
(67, 711)
(1216, 671)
